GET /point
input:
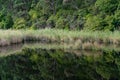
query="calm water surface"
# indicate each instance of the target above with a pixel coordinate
(49, 62)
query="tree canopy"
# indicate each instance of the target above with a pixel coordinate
(62, 14)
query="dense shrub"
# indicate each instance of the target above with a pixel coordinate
(64, 14)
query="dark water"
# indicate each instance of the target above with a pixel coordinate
(58, 64)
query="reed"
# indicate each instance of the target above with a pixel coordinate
(8, 37)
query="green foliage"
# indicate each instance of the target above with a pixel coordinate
(93, 22)
(116, 21)
(107, 6)
(39, 23)
(19, 23)
(60, 23)
(6, 20)
(51, 22)
(64, 14)
(33, 14)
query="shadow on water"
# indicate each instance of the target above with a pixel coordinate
(41, 63)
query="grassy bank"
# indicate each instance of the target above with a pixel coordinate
(8, 37)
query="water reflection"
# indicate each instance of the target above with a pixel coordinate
(12, 49)
(78, 50)
(8, 50)
(60, 64)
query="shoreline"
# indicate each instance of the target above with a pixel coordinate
(9, 37)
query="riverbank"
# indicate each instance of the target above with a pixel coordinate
(8, 37)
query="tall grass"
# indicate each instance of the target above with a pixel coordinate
(8, 37)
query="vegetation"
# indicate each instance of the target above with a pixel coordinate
(65, 26)
(8, 37)
(60, 14)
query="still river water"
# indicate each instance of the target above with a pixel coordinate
(51, 62)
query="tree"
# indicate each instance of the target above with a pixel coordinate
(116, 20)
(19, 23)
(107, 6)
(6, 20)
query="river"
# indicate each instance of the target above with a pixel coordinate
(40, 61)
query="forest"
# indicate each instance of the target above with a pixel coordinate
(103, 15)
(59, 39)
